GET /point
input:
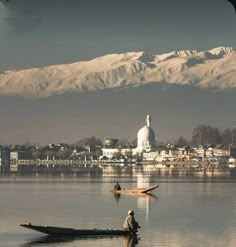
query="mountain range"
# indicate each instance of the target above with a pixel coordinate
(110, 96)
(212, 69)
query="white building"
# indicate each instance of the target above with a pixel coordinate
(145, 142)
(145, 137)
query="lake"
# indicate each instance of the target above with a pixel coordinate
(183, 211)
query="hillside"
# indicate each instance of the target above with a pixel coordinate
(212, 69)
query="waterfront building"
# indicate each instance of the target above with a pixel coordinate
(147, 150)
(4, 160)
(185, 152)
(210, 151)
(146, 141)
(146, 137)
(17, 157)
(221, 151)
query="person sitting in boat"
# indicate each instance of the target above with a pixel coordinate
(117, 186)
(130, 224)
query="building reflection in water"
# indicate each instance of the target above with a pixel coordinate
(143, 199)
(143, 203)
(150, 170)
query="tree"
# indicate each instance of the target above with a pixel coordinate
(88, 141)
(123, 142)
(200, 135)
(206, 135)
(233, 142)
(214, 136)
(35, 153)
(181, 141)
(226, 136)
(134, 143)
(49, 154)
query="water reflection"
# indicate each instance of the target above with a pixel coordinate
(131, 241)
(141, 172)
(128, 241)
(147, 196)
(143, 201)
(190, 211)
(160, 170)
(117, 196)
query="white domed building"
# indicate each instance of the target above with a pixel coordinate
(145, 142)
(146, 136)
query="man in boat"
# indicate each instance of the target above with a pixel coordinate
(117, 186)
(130, 223)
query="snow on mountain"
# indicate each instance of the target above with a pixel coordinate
(213, 69)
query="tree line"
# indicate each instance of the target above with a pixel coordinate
(206, 134)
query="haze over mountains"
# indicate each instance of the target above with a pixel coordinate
(213, 69)
(110, 96)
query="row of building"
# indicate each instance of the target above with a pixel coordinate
(145, 150)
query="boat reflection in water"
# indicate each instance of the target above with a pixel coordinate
(131, 241)
(117, 197)
(139, 195)
(128, 241)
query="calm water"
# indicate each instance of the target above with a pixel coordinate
(182, 212)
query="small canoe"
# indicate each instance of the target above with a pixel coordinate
(62, 231)
(137, 190)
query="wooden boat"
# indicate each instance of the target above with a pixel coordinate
(137, 190)
(62, 231)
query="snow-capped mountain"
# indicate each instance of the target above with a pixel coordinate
(213, 69)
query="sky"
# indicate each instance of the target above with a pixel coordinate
(36, 33)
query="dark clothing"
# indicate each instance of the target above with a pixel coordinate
(117, 187)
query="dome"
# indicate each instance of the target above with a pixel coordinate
(110, 142)
(146, 134)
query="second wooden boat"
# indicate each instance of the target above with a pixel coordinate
(137, 190)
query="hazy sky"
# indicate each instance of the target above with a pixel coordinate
(37, 33)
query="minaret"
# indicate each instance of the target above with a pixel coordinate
(148, 121)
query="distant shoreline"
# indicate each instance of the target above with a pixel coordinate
(113, 169)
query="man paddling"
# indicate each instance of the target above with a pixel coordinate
(117, 186)
(130, 223)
